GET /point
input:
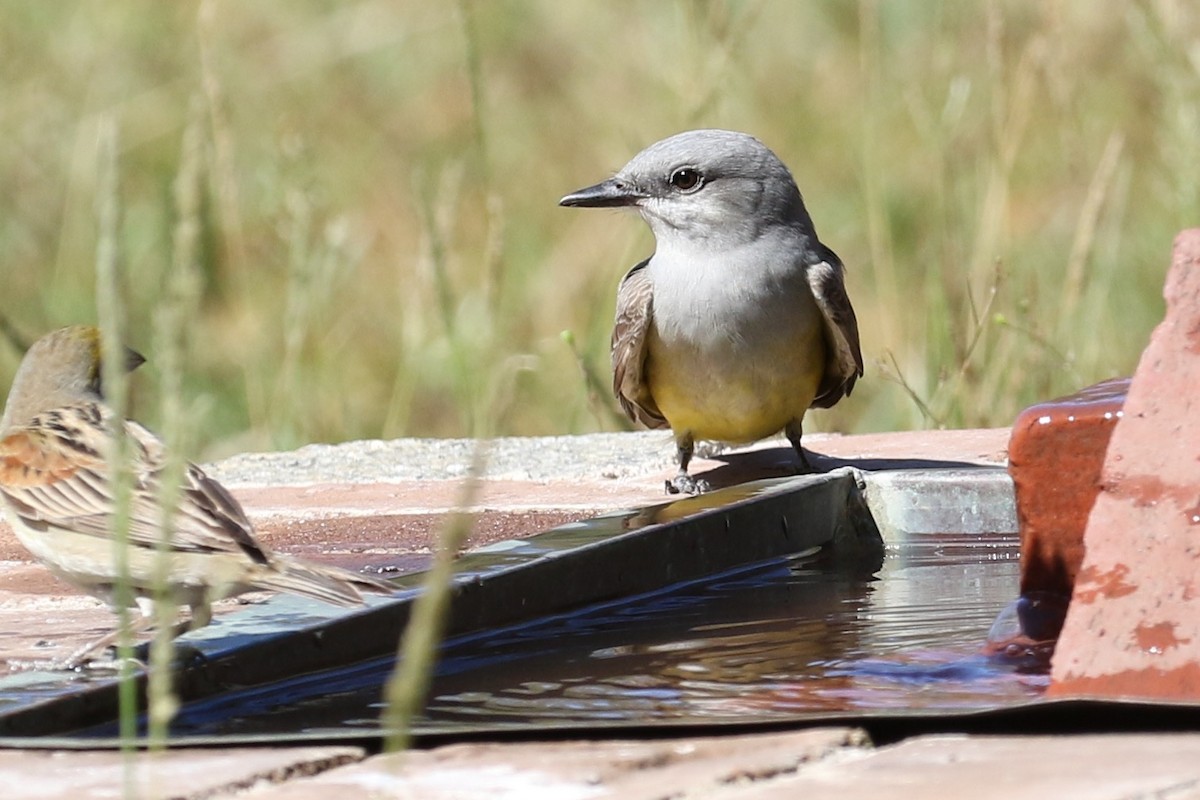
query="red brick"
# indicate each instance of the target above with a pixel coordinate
(1133, 627)
(1054, 457)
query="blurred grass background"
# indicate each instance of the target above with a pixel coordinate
(374, 205)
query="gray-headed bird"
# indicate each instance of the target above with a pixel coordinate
(740, 321)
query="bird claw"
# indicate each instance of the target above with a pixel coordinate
(183, 656)
(108, 662)
(686, 484)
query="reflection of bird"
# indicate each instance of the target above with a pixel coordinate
(56, 484)
(740, 320)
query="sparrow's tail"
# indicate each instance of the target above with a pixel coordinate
(328, 584)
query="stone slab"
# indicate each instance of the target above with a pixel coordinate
(1088, 767)
(630, 770)
(88, 775)
(970, 501)
(1133, 627)
(636, 462)
(588, 474)
(813, 764)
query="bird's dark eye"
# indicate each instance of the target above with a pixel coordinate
(686, 179)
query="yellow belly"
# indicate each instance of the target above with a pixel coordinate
(739, 393)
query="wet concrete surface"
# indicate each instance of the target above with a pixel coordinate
(42, 617)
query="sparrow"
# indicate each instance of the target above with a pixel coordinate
(57, 490)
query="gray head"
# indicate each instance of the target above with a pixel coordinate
(702, 185)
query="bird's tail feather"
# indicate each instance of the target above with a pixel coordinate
(320, 582)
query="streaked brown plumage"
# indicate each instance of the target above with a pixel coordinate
(55, 481)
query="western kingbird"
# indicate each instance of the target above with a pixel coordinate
(739, 322)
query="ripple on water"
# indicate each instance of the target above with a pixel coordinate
(786, 639)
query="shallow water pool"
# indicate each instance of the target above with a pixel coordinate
(785, 639)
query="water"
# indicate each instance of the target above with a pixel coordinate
(787, 639)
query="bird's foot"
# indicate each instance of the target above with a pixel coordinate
(108, 660)
(793, 433)
(686, 484)
(182, 655)
(805, 466)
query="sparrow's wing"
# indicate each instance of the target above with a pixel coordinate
(630, 331)
(53, 473)
(844, 364)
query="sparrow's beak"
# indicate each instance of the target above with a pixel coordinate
(133, 359)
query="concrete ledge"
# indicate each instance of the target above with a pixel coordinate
(631, 770)
(999, 768)
(39, 775)
(977, 500)
(834, 763)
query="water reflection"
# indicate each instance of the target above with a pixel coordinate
(785, 639)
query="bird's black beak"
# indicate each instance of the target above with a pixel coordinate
(612, 193)
(133, 359)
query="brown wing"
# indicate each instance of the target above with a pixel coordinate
(630, 330)
(53, 473)
(844, 364)
(208, 516)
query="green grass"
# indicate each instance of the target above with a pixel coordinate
(377, 233)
